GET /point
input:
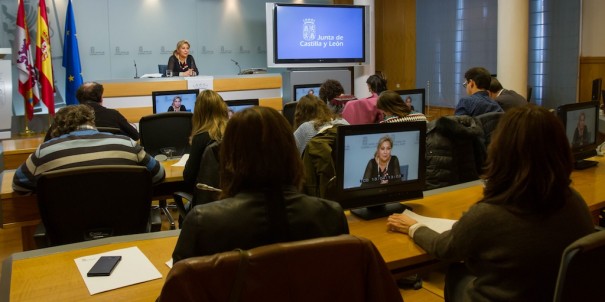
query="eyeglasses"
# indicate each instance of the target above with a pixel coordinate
(464, 84)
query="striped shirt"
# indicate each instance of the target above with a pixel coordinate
(81, 148)
(412, 117)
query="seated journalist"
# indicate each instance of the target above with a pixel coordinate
(91, 94)
(261, 200)
(512, 239)
(477, 81)
(77, 143)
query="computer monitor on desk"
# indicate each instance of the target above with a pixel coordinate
(379, 165)
(162, 100)
(581, 122)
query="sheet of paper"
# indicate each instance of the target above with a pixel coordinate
(169, 263)
(439, 225)
(134, 268)
(182, 161)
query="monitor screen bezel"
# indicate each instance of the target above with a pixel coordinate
(156, 94)
(271, 31)
(301, 86)
(383, 194)
(421, 91)
(589, 150)
(242, 102)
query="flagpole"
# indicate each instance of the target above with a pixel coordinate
(27, 131)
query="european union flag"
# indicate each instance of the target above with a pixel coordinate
(71, 58)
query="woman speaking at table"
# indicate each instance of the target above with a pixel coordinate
(181, 62)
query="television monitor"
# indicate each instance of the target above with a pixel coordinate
(583, 143)
(314, 35)
(239, 105)
(301, 90)
(359, 187)
(596, 89)
(417, 96)
(162, 100)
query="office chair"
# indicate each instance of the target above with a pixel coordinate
(86, 203)
(207, 183)
(340, 268)
(288, 112)
(530, 90)
(163, 130)
(581, 273)
(162, 69)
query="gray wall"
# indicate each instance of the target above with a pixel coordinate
(112, 34)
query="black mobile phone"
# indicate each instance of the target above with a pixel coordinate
(104, 266)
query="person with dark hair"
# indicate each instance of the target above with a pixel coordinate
(408, 102)
(332, 92)
(181, 62)
(383, 168)
(261, 200)
(177, 105)
(395, 110)
(364, 111)
(511, 241)
(77, 143)
(477, 81)
(506, 98)
(312, 116)
(91, 94)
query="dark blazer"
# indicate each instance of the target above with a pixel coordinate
(243, 221)
(509, 99)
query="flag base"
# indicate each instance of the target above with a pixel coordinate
(27, 132)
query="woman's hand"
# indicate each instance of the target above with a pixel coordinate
(400, 223)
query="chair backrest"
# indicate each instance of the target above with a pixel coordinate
(489, 122)
(288, 112)
(167, 129)
(340, 268)
(110, 130)
(582, 270)
(78, 204)
(162, 69)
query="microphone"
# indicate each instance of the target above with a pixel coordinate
(239, 67)
(136, 72)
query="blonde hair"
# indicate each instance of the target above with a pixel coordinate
(179, 44)
(209, 115)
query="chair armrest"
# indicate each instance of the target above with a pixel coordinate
(40, 238)
(182, 200)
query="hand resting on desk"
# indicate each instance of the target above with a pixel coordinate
(400, 223)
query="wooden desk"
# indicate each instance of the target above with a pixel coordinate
(17, 210)
(16, 151)
(31, 276)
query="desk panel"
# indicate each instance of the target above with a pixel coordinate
(16, 151)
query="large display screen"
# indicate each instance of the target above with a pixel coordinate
(174, 100)
(316, 34)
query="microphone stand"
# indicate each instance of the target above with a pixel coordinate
(237, 64)
(136, 72)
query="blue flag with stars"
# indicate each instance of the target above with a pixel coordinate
(71, 58)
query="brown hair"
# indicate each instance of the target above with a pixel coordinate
(330, 89)
(209, 115)
(69, 118)
(529, 161)
(258, 152)
(311, 108)
(391, 101)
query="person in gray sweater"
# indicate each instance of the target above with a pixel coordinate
(511, 241)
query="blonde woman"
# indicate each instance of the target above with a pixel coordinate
(181, 62)
(209, 120)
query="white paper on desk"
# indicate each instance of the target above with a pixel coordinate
(134, 268)
(439, 225)
(182, 161)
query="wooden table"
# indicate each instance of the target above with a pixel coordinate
(16, 151)
(18, 210)
(32, 275)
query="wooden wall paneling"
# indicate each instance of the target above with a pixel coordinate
(396, 42)
(590, 68)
